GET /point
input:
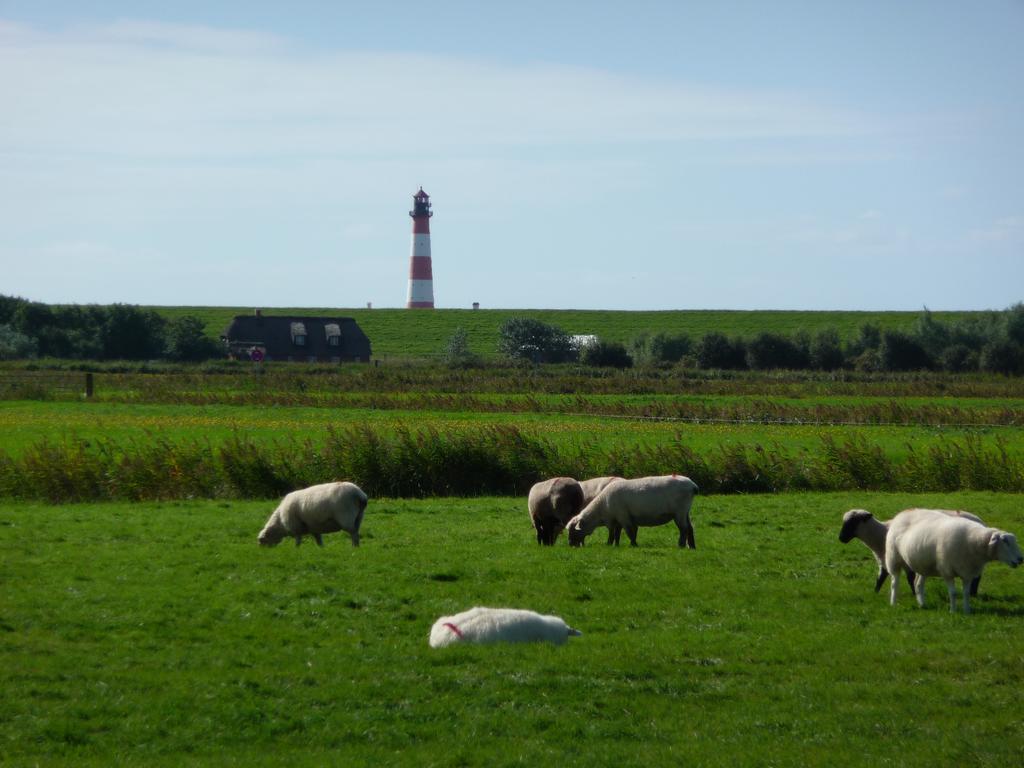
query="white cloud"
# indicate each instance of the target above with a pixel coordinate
(153, 89)
(1005, 231)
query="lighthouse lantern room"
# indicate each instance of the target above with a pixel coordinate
(421, 278)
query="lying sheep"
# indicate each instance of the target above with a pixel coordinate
(863, 525)
(493, 625)
(645, 501)
(552, 503)
(591, 488)
(933, 543)
(319, 509)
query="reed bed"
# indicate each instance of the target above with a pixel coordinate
(418, 462)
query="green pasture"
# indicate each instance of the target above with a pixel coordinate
(162, 635)
(25, 423)
(402, 332)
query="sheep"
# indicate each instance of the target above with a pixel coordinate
(591, 488)
(319, 509)
(492, 625)
(933, 543)
(552, 503)
(863, 525)
(644, 501)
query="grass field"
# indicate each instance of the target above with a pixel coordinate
(401, 332)
(26, 423)
(160, 634)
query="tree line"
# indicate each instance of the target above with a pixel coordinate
(99, 332)
(990, 341)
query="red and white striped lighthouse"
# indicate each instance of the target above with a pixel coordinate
(421, 275)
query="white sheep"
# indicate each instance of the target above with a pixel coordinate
(552, 503)
(319, 509)
(933, 543)
(645, 501)
(493, 625)
(591, 488)
(861, 524)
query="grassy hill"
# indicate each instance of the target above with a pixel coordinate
(416, 333)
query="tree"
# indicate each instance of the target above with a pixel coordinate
(902, 352)
(1002, 357)
(772, 350)
(715, 350)
(826, 351)
(187, 340)
(958, 358)
(457, 353)
(15, 345)
(524, 338)
(606, 354)
(132, 333)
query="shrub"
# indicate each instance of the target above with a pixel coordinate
(457, 353)
(901, 352)
(607, 354)
(958, 358)
(187, 340)
(15, 345)
(826, 351)
(715, 350)
(772, 350)
(1002, 357)
(524, 338)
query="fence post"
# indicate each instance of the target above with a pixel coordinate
(88, 385)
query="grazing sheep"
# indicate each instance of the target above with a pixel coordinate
(645, 501)
(863, 525)
(552, 503)
(493, 625)
(933, 543)
(591, 488)
(319, 509)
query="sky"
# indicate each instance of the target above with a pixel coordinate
(645, 155)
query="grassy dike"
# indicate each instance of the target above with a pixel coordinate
(160, 634)
(423, 333)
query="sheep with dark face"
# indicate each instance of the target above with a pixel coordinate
(644, 501)
(933, 543)
(552, 503)
(314, 511)
(861, 524)
(591, 488)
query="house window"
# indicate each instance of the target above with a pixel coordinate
(299, 334)
(333, 331)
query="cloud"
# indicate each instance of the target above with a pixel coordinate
(1005, 231)
(152, 89)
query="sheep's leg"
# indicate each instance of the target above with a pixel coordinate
(894, 588)
(919, 589)
(686, 538)
(882, 576)
(631, 532)
(951, 588)
(298, 539)
(614, 533)
(974, 585)
(318, 539)
(355, 538)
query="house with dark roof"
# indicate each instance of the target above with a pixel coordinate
(261, 337)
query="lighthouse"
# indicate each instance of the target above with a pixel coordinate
(421, 276)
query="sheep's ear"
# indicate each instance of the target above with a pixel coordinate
(993, 543)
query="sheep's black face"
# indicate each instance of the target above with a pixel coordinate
(576, 537)
(269, 538)
(851, 521)
(1003, 547)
